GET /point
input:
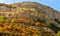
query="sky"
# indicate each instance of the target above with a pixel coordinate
(55, 4)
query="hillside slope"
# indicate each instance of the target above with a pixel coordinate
(29, 18)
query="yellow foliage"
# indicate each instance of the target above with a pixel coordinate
(13, 20)
(37, 23)
(1, 28)
(58, 34)
(35, 34)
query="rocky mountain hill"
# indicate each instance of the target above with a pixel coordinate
(19, 17)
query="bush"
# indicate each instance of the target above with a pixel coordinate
(58, 34)
(41, 20)
(54, 27)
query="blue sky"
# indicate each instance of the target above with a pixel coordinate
(52, 3)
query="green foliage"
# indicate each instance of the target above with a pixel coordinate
(41, 20)
(39, 28)
(13, 6)
(57, 21)
(2, 19)
(10, 6)
(54, 27)
(58, 34)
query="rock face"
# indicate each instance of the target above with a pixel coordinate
(50, 13)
